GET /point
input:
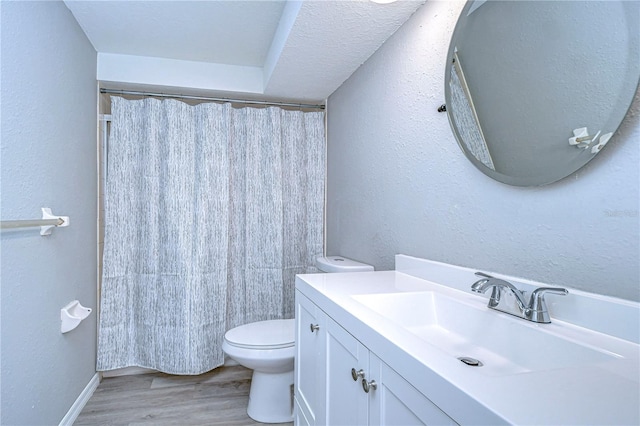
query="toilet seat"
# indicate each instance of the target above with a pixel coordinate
(271, 334)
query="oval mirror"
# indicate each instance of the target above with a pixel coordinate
(535, 89)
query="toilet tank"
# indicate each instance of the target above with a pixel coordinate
(341, 264)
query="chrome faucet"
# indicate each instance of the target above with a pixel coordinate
(535, 310)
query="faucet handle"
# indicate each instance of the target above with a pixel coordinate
(483, 275)
(538, 306)
(538, 293)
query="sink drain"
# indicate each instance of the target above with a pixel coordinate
(471, 361)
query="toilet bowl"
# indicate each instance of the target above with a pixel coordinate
(266, 347)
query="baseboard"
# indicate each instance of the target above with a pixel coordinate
(81, 401)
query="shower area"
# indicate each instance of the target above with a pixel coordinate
(207, 211)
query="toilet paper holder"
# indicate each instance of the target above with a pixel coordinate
(71, 315)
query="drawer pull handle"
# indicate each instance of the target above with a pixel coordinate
(357, 374)
(367, 386)
(314, 327)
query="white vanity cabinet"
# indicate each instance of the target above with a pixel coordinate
(326, 392)
(406, 330)
(310, 362)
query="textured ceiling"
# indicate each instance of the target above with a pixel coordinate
(303, 50)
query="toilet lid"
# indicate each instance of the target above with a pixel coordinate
(272, 334)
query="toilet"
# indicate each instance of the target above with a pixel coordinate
(332, 264)
(268, 348)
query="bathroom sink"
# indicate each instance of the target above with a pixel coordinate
(503, 344)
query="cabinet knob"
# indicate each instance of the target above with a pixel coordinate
(367, 386)
(314, 327)
(357, 374)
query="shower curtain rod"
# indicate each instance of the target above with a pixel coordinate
(209, 98)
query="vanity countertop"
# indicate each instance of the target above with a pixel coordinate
(606, 391)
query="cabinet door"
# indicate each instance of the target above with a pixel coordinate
(396, 402)
(299, 418)
(347, 402)
(310, 361)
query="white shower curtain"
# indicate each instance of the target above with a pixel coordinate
(210, 211)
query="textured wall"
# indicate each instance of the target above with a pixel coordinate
(48, 160)
(398, 183)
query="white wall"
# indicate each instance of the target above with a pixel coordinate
(398, 183)
(48, 159)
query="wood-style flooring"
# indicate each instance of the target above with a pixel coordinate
(218, 397)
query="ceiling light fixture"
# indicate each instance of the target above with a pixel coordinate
(383, 1)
